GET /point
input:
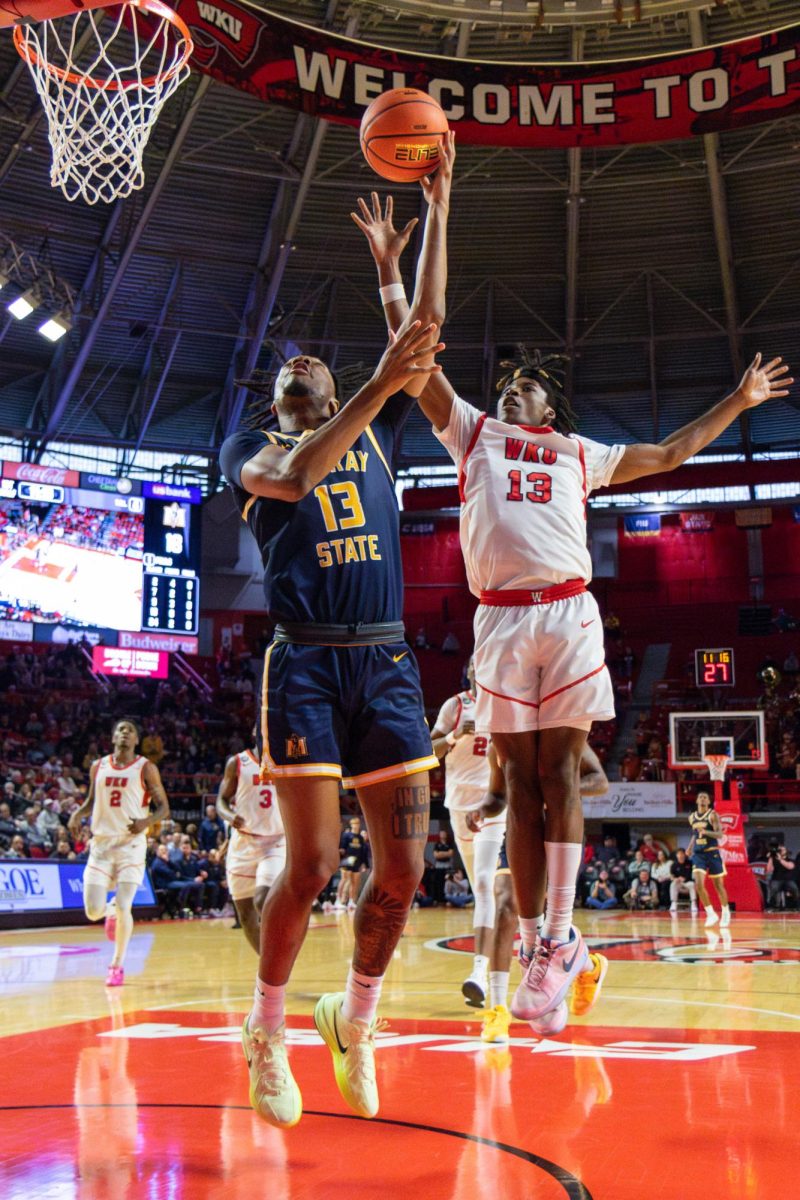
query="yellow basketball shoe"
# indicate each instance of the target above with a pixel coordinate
(496, 1024)
(352, 1044)
(587, 986)
(273, 1092)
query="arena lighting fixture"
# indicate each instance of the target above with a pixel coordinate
(24, 305)
(55, 327)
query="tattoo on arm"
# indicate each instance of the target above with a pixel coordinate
(379, 921)
(410, 813)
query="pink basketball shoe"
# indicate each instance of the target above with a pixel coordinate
(115, 977)
(548, 979)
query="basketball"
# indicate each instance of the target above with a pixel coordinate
(400, 134)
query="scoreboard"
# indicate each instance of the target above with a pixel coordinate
(170, 584)
(714, 668)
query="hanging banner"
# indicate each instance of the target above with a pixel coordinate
(697, 522)
(642, 525)
(633, 800)
(502, 103)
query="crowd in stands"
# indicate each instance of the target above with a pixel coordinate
(645, 877)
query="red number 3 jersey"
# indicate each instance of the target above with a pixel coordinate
(119, 797)
(523, 499)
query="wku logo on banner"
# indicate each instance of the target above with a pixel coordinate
(238, 27)
(37, 474)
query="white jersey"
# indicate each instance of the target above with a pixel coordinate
(466, 766)
(120, 796)
(255, 802)
(523, 499)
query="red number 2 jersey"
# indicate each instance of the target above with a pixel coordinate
(523, 499)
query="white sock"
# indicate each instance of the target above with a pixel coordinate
(529, 930)
(498, 988)
(563, 863)
(480, 965)
(726, 908)
(361, 996)
(269, 1003)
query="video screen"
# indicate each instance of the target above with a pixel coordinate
(71, 563)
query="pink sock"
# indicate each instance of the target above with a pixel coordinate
(361, 996)
(268, 1006)
(563, 863)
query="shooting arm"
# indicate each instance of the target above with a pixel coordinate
(279, 475)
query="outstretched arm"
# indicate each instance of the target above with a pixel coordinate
(759, 384)
(428, 303)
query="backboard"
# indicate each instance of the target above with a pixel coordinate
(740, 735)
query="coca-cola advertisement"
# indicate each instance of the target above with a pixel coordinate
(34, 473)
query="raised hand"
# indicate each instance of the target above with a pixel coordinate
(760, 383)
(404, 357)
(436, 188)
(385, 241)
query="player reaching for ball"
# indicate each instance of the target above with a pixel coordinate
(525, 476)
(340, 694)
(123, 786)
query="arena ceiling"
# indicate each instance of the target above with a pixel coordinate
(618, 255)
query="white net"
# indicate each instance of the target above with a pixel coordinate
(103, 78)
(717, 765)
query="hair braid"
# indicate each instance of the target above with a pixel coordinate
(548, 370)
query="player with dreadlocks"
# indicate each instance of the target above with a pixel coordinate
(524, 479)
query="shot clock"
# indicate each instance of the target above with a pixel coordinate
(714, 668)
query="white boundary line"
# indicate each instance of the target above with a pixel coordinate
(770, 1012)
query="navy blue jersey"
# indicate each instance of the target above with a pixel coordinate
(334, 556)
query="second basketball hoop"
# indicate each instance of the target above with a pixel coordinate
(103, 76)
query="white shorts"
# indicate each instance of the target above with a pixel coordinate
(464, 797)
(114, 860)
(492, 830)
(252, 863)
(541, 666)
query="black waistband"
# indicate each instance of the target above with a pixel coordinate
(340, 635)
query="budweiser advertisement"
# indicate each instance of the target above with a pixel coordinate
(727, 86)
(173, 643)
(34, 473)
(137, 664)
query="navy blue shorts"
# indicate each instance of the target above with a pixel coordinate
(502, 860)
(710, 861)
(353, 713)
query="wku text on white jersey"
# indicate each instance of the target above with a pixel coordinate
(523, 499)
(120, 797)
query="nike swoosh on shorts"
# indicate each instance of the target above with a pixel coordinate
(397, 657)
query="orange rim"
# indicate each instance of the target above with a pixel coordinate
(157, 8)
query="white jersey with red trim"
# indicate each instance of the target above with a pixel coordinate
(523, 499)
(466, 766)
(120, 796)
(255, 802)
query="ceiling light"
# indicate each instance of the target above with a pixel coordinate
(55, 327)
(24, 305)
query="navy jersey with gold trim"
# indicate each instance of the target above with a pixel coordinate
(334, 556)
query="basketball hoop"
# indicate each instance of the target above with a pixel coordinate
(717, 765)
(103, 79)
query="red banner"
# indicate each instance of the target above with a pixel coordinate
(37, 474)
(502, 103)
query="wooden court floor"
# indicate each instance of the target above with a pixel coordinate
(684, 1082)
